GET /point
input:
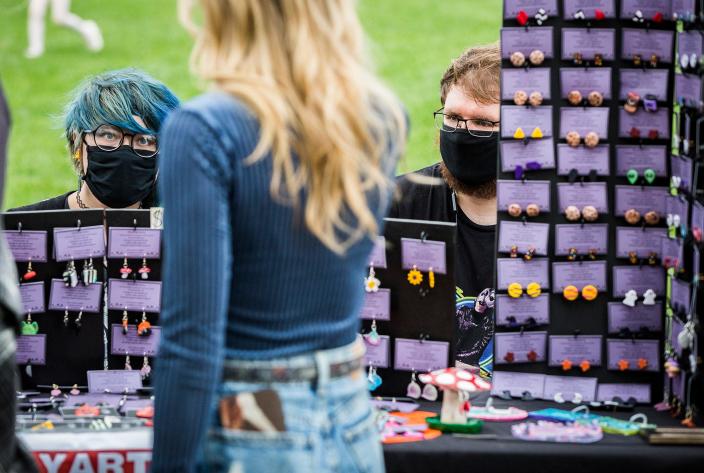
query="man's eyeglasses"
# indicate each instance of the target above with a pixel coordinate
(475, 127)
(109, 138)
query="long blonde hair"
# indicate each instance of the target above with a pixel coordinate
(301, 67)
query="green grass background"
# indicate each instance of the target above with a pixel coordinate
(413, 41)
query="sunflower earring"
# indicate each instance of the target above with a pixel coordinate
(415, 277)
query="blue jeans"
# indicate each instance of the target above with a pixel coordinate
(329, 425)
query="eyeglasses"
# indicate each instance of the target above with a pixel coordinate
(475, 127)
(109, 138)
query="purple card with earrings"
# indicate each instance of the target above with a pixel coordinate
(27, 245)
(523, 235)
(424, 255)
(420, 356)
(633, 355)
(519, 347)
(641, 158)
(76, 243)
(575, 348)
(582, 159)
(134, 242)
(646, 42)
(683, 7)
(114, 381)
(645, 123)
(644, 82)
(568, 387)
(688, 87)
(518, 311)
(539, 154)
(642, 199)
(529, 80)
(378, 355)
(682, 167)
(578, 273)
(593, 79)
(648, 8)
(581, 194)
(643, 241)
(377, 258)
(523, 193)
(588, 42)
(377, 305)
(690, 42)
(517, 383)
(526, 40)
(527, 119)
(672, 252)
(585, 120)
(133, 344)
(80, 298)
(588, 7)
(531, 7)
(608, 391)
(678, 206)
(681, 295)
(634, 319)
(139, 296)
(638, 278)
(593, 237)
(31, 350)
(510, 270)
(32, 297)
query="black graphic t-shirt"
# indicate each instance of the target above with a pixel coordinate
(474, 270)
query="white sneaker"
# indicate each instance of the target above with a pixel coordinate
(92, 35)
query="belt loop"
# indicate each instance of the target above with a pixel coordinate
(322, 365)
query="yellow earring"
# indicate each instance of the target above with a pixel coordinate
(431, 278)
(77, 155)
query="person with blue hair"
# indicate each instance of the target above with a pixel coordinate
(112, 124)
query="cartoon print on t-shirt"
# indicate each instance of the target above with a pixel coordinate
(475, 323)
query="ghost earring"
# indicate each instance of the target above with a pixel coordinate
(413, 389)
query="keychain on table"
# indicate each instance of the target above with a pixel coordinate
(144, 270)
(128, 365)
(146, 369)
(29, 327)
(90, 274)
(30, 273)
(125, 270)
(144, 328)
(371, 282)
(70, 275)
(413, 389)
(125, 322)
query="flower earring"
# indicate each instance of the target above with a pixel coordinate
(415, 277)
(413, 390)
(371, 282)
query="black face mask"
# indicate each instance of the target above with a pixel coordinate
(119, 178)
(470, 159)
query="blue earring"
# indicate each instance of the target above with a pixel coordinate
(373, 379)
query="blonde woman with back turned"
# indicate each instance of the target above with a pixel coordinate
(274, 185)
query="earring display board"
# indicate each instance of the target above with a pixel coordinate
(408, 318)
(583, 199)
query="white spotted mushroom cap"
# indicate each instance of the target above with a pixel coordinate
(455, 379)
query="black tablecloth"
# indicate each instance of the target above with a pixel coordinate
(615, 453)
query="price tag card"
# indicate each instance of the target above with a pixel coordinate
(697, 216)
(520, 153)
(517, 383)
(582, 194)
(647, 42)
(688, 87)
(585, 81)
(31, 350)
(682, 167)
(526, 40)
(377, 305)
(510, 270)
(414, 355)
(582, 159)
(526, 79)
(588, 7)
(513, 312)
(523, 194)
(584, 120)
(643, 199)
(132, 295)
(423, 254)
(641, 240)
(574, 348)
(568, 386)
(588, 42)
(79, 243)
(114, 381)
(378, 355)
(644, 82)
(79, 298)
(681, 295)
(27, 245)
(133, 344)
(608, 391)
(690, 42)
(514, 117)
(134, 242)
(590, 237)
(519, 347)
(641, 158)
(648, 7)
(524, 235)
(633, 355)
(33, 297)
(378, 256)
(639, 278)
(672, 251)
(580, 274)
(531, 7)
(644, 122)
(635, 319)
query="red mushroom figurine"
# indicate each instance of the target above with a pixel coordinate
(457, 385)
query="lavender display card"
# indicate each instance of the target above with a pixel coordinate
(690, 42)
(584, 120)
(672, 249)
(114, 381)
(580, 274)
(79, 243)
(643, 199)
(582, 159)
(641, 158)
(682, 166)
(514, 117)
(524, 236)
(415, 355)
(423, 254)
(582, 194)
(586, 238)
(133, 344)
(79, 298)
(514, 312)
(677, 327)
(644, 82)
(519, 347)
(27, 245)
(377, 305)
(531, 7)
(588, 42)
(520, 153)
(648, 7)
(511, 270)
(134, 242)
(378, 355)
(609, 391)
(568, 386)
(634, 319)
(33, 297)
(639, 278)
(526, 40)
(589, 7)
(697, 216)
(641, 240)
(647, 42)
(575, 349)
(523, 193)
(378, 256)
(132, 295)
(585, 81)
(688, 87)
(681, 295)
(31, 350)
(682, 7)
(645, 122)
(517, 383)
(533, 79)
(633, 352)
(677, 206)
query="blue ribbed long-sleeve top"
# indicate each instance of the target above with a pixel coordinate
(243, 277)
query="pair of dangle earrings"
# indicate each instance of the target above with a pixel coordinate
(373, 378)
(415, 277)
(145, 370)
(78, 320)
(89, 273)
(429, 392)
(144, 271)
(144, 328)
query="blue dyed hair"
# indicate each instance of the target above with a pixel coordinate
(113, 98)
